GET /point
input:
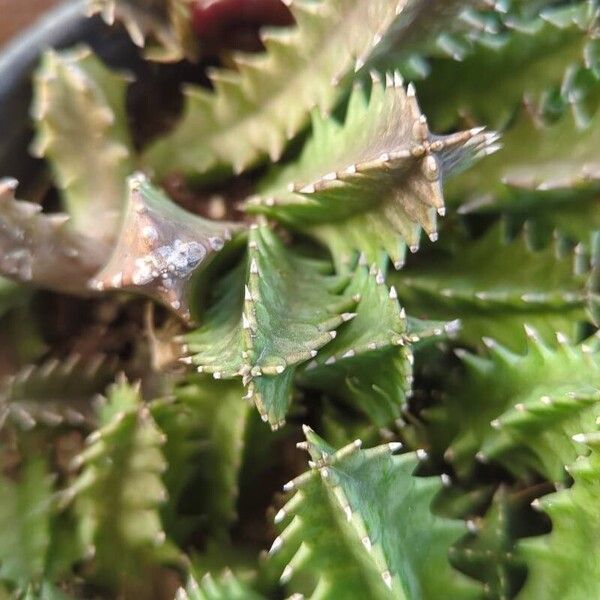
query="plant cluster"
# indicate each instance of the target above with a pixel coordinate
(284, 258)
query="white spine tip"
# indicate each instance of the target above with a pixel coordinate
(277, 544)
(488, 342)
(472, 526)
(387, 579)
(530, 331)
(286, 575)
(280, 516)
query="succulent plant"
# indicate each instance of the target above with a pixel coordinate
(284, 257)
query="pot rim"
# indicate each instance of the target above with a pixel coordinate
(63, 26)
(26, 46)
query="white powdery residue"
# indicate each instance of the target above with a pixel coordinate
(18, 262)
(150, 233)
(176, 260)
(216, 243)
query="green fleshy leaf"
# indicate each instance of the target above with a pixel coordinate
(273, 396)
(223, 557)
(569, 218)
(56, 393)
(503, 67)
(376, 383)
(418, 34)
(546, 178)
(217, 345)
(489, 553)
(79, 109)
(227, 586)
(167, 22)
(222, 413)
(521, 409)
(370, 233)
(119, 490)
(422, 333)
(41, 249)
(289, 309)
(458, 501)
(562, 563)
(556, 159)
(476, 281)
(381, 168)
(367, 364)
(46, 591)
(451, 34)
(292, 304)
(256, 109)
(361, 524)
(182, 450)
(26, 508)
(161, 248)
